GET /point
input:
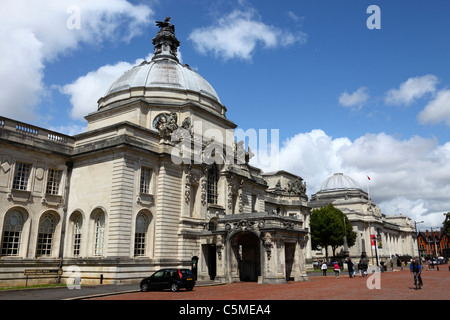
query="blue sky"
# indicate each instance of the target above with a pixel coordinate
(345, 98)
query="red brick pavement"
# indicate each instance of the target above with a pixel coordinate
(396, 285)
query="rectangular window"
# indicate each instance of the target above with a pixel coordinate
(10, 243)
(139, 244)
(145, 180)
(45, 242)
(76, 244)
(53, 181)
(21, 176)
(253, 203)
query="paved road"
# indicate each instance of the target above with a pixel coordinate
(392, 286)
(396, 285)
(85, 292)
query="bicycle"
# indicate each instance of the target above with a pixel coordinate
(417, 280)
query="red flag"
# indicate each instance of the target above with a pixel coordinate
(368, 177)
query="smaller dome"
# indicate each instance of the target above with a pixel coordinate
(339, 181)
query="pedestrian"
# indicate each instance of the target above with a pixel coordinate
(350, 266)
(360, 268)
(324, 268)
(336, 270)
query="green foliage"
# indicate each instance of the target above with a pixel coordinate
(327, 228)
(447, 222)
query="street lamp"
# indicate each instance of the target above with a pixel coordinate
(417, 236)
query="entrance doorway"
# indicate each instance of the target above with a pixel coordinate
(246, 247)
(289, 252)
(209, 252)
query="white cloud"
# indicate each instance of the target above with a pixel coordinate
(238, 34)
(85, 91)
(35, 32)
(411, 90)
(409, 176)
(355, 100)
(437, 110)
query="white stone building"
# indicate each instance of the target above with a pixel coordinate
(395, 235)
(156, 181)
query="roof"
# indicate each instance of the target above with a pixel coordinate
(339, 181)
(164, 73)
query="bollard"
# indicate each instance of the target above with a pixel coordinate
(101, 279)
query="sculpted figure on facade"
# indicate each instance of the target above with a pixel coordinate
(296, 187)
(219, 246)
(268, 244)
(166, 124)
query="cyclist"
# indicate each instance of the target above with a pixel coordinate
(416, 269)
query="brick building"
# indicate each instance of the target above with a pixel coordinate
(434, 243)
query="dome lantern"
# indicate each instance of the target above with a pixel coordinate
(166, 43)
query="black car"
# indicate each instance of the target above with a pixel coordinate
(172, 279)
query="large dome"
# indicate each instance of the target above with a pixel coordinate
(339, 181)
(163, 74)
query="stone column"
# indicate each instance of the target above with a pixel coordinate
(300, 262)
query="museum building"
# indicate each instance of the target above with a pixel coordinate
(380, 237)
(148, 185)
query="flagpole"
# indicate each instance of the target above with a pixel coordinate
(368, 188)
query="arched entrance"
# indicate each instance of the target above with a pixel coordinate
(246, 248)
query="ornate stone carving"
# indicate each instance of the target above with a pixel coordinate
(219, 246)
(240, 196)
(186, 124)
(166, 123)
(245, 225)
(268, 245)
(296, 187)
(187, 187)
(190, 180)
(165, 42)
(242, 156)
(288, 224)
(203, 189)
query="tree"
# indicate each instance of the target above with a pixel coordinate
(447, 222)
(329, 225)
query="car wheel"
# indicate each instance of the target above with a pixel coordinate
(174, 287)
(145, 287)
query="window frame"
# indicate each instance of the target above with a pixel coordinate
(11, 247)
(99, 234)
(77, 235)
(54, 178)
(140, 235)
(45, 237)
(212, 179)
(145, 180)
(21, 176)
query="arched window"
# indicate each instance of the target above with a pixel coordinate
(212, 225)
(99, 235)
(46, 234)
(140, 235)
(211, 184)
(12, 231)
(77, 227)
